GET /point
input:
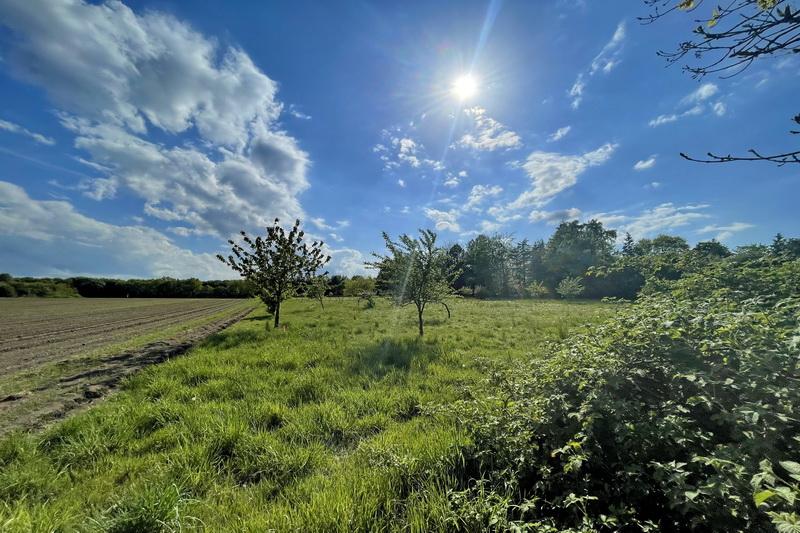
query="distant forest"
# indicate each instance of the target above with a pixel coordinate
(585, 255)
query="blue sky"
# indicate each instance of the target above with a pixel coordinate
(136, 138)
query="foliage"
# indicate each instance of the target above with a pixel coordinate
(570, 287)
(536, 289)
(730, 37)
(417, 272)
(779, 493)
(124, 288)
(317, 288)
(657, 420)
(361, 288)
(277, 265)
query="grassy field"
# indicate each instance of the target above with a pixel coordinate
(318, 426)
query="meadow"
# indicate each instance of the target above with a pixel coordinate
(328, 423)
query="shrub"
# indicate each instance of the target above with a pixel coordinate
(659, 420)
(536, 289)
(570, 287)
(7, 291)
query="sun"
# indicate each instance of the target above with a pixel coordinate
(465, 87)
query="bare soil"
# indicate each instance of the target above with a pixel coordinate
(60, 355)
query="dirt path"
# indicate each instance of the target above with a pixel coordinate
(47, 373)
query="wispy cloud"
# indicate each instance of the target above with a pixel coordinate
(16, 128)
(605, 62)
(645, 164)
(560, 133)
(479, 193)
(697, 99)
(651, 222)
(487, 134)
(725, 232)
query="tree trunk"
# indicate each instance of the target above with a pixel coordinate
(277, 314)
(448, 309)
(419, 313)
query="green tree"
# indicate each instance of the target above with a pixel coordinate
(276, 265)
(317, 288)
(570, 287)
(417, 271)
(711, 249)
(628, 245)
(361, 288)
(574, 247)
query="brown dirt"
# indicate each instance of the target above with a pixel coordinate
(59, 339)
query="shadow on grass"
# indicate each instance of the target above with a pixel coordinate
(232, 338)
(386, 356)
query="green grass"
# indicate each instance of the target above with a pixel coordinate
(318, 426)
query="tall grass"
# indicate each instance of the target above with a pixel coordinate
(317, 426)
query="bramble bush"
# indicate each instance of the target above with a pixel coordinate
(680, 414)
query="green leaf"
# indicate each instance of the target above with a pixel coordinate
(761, 497)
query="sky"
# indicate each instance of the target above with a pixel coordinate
(136, 138)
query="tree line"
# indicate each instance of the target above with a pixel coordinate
(579, 259)
(122, 288)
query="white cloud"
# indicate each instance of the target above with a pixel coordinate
(554, 217)
(48, 237)
(451, 181)
(294, 111)
(576, 91)
(653, 185)
(16, 128)
(336, 237)
(703, 93)
(672, 117)
(725, 232)
(122, 76)
(320, 223)
(695, 99)
(487, 134)
(479, 193)
(552, 173)
(401, 182)
(347, 261)
(605, 61)
(489, 226)
(444, 220)
(399, 149)
(650, 222)
(645, 164)
(560, 133)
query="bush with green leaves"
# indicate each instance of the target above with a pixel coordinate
(536, 289)
(659, 420)
(570, 287)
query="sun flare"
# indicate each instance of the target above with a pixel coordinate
(465, 87)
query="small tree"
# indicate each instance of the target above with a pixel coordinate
(536, 289)
(417, 272)
(276, 265)
(570, 287)
(317, 288)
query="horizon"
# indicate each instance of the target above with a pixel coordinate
(145, 134)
